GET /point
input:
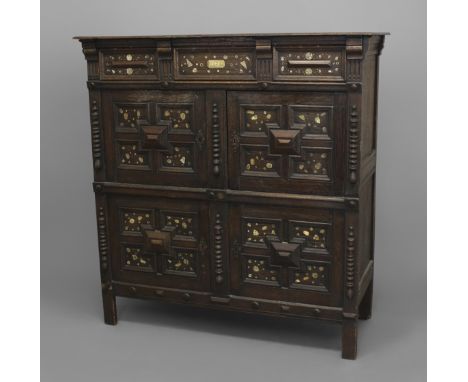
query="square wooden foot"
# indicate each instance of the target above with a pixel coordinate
(349, 338)
(110, 307)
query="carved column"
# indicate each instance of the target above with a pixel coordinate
(216, 141)
(108, 295)
(353, 144)
(215, 106)
(219, 250)
(96, 134)
(354, 59)
(351, 280)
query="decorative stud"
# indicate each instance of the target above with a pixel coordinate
(186, 296)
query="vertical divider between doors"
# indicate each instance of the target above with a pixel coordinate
(217, 143)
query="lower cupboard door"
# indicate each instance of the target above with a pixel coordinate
(287, 254)
(160, 242)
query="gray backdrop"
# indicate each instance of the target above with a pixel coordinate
(164, 343)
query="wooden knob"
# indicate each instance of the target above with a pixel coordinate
(186, 296)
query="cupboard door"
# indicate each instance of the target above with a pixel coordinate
(156, 137)
(160, 242)
(288, 254)
(286, 142)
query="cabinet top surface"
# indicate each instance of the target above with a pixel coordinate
(162, 37)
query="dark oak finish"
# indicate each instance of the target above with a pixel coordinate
(237, 172)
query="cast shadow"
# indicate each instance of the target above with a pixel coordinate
(295, 331)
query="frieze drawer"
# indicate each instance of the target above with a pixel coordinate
(131, 64)
(309, 64)
(214, 63)
(237, 172)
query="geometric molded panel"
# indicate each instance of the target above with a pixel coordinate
(315, 236)
(257, 269)
(133, 258)
(313, 121)
(132, 219)
(314, 162)
(127, 116)
(185, 225)
(181, 159)
(180, 116)
(257, 161)
(256, 118)
(131, 156)
(311, 275)
(183, 262)
(254, 231)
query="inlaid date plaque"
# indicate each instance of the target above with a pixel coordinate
(237, 172)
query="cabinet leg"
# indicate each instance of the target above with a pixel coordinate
(349, 339)
(365, 308)
(110, 307)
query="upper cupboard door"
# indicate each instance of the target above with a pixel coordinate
(156, 137)
(286, 142)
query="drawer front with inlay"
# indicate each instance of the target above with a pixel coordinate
(214, 64)
(309, 64)
(129, 64)
(286, 253)
(285, 142)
